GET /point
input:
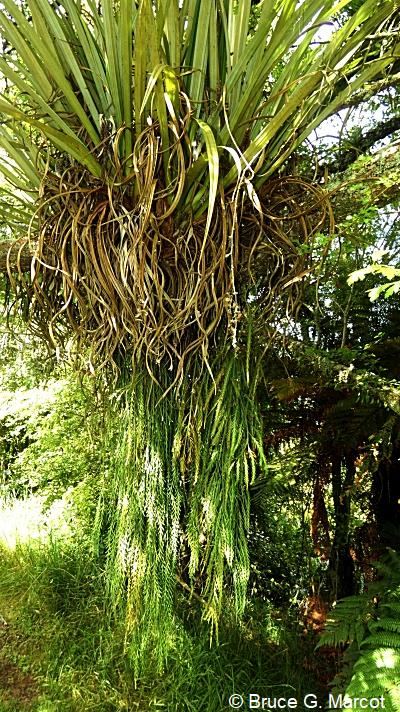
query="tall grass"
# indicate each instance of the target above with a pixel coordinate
(52, 594)
(53, 597)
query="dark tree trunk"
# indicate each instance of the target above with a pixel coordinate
(341, 565)
(386, 497)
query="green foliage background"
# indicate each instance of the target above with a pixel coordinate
(174, 520)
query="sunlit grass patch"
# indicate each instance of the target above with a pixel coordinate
(24, 520)
(52, 596)
(52, 590)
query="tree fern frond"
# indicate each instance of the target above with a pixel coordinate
(347, 621)
(372, 661)
(383, 639)
(386, 624)
(393, 606)
(379, 661)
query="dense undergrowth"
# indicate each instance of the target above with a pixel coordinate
(64, 641)
(52, 593)
(58, 628)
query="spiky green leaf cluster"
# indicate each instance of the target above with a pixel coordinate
(82, 72)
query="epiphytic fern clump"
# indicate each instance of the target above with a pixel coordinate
(145, 143)
(146, 155)
(180, 493)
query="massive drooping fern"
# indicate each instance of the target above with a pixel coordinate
(175, 510)
(370, 625)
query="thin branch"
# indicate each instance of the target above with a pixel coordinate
(15, 251)
(379, 174)
(193, 594)
(372, 89)
(361, 144)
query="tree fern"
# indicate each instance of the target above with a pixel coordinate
(370, 625)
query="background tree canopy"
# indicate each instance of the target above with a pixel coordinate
(199, 200)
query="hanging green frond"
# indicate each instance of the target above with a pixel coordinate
(176, 455)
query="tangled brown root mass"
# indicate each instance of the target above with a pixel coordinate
(132, 273)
